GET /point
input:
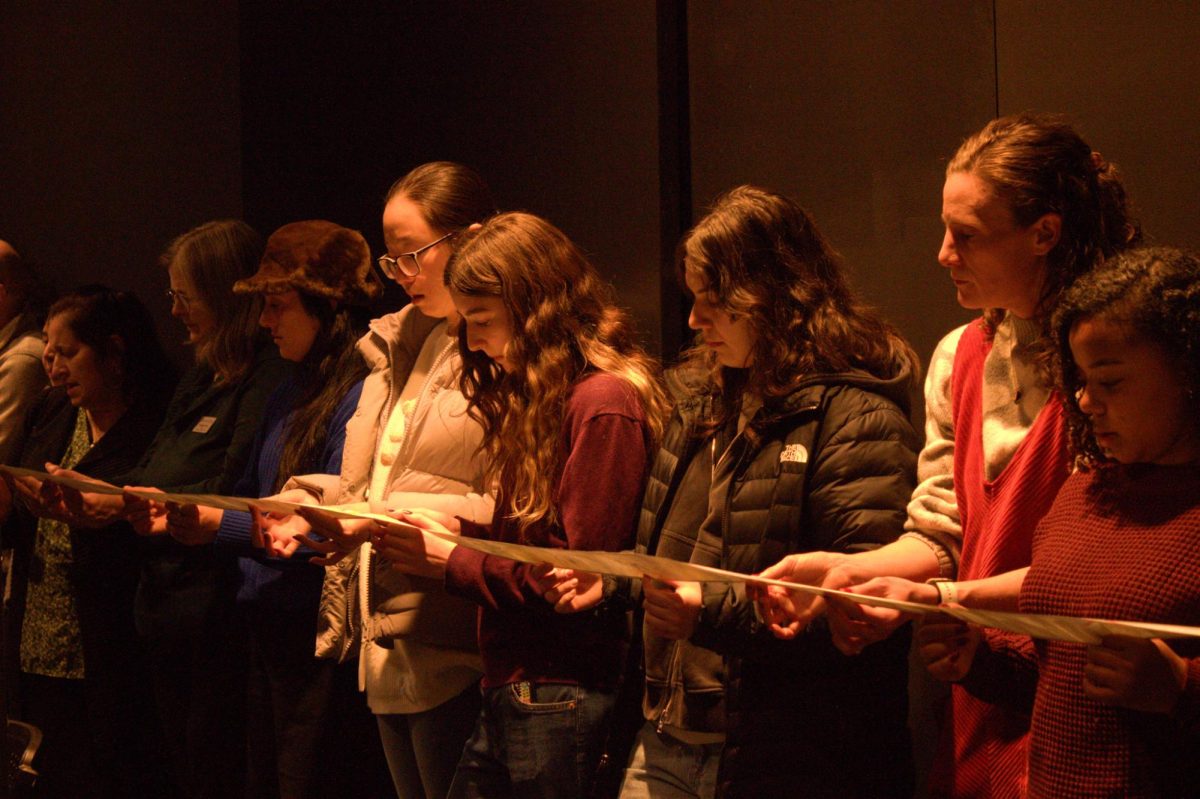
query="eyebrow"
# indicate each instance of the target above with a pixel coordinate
(478, 309)
(1103, 362)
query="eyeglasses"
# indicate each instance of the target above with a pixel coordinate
(407, 263)
(173, 295)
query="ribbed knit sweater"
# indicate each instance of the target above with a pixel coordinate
(999, 509)
(1133, 554)
(291, 584)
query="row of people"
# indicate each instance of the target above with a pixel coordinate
(539, 421)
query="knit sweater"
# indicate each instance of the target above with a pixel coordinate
(1128, 554)
(603, 452)
(1011, 398)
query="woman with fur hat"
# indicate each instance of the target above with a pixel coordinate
(315, 279)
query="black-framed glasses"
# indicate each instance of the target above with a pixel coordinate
(172, 295)
(407, 263)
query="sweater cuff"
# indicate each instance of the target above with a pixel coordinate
(235, 530)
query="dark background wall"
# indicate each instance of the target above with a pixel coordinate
(120, 127)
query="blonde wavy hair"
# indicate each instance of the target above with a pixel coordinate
(564, 324)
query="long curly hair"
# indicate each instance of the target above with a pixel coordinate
(1037, 164)
(565, 323)
(765, 259)
(326, 374)
(1155, 291)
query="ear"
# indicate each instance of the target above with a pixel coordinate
(1046, 233)
(474, 226)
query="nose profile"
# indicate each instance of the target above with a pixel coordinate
(697, 319)
(947, 254)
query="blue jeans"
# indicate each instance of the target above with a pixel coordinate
(534, 740)
(664, 767)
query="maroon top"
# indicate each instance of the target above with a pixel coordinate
(1132, 555)
(603, 452)
(998, 519)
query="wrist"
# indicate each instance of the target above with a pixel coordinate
(947, 590)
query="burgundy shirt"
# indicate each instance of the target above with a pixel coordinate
(603, 452)
(1135, 555)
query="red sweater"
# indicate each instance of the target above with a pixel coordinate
(603, 451)
(998, 520)
(1132, 555)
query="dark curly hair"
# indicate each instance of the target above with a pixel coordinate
(564, 323)
(1037, 164)
(1156, 292)
(763, 257)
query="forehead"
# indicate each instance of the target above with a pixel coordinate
(695, 280)
(967, 199)
(58, 329)
(403, 222)
(474, 304)
(1097, 341)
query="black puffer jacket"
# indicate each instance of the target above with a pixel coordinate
(831, 467)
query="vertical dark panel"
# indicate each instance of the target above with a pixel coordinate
(852, 107)
(120, 130)
(1126, 74)
(675, 164)
(555, 103)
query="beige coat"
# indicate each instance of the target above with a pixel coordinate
(439, 467)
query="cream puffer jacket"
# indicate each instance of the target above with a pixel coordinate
(439, 466)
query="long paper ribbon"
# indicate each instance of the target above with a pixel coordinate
(633, 564)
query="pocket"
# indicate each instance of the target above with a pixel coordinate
(537, 698)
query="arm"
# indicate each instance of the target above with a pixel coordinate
(598, 496)
(22, 378)
(859, 483)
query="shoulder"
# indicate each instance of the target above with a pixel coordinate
(943, 353)
(857, 412)
(603, 393)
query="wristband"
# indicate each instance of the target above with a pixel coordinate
(947, 591)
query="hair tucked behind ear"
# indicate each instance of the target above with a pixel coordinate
(765, 260)
(1037, 164)
(564, 324)
(1155, 292)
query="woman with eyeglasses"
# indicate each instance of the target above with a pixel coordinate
(411, 443)
(185, 608)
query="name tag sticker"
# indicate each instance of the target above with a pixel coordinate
(205, 424)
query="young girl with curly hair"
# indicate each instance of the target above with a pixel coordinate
(1117, 718)
(570, 408)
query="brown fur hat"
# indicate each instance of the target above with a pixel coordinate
(316, 257)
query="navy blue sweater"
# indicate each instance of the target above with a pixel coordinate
(287, 584)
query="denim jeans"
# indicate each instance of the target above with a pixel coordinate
(664, 767)
(535, 740)
(423, 749)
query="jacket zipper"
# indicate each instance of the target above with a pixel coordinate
(366, 561)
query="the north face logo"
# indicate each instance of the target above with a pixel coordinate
(794, 453)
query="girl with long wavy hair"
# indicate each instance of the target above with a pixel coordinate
(570, 408)
(1028, 208)
(790, 434)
